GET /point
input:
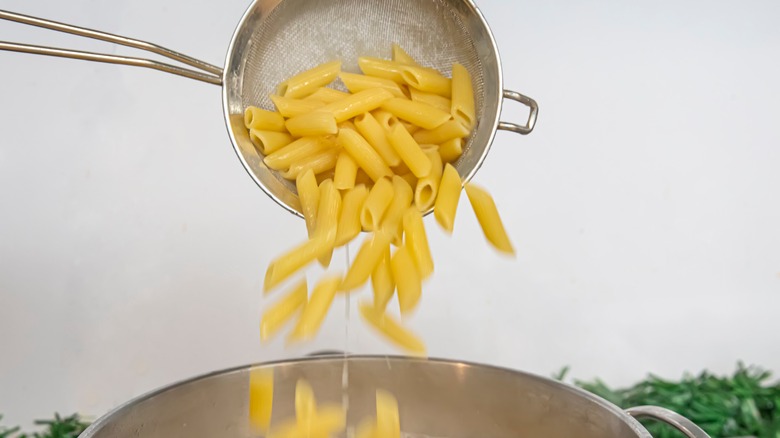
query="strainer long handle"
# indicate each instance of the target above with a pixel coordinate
(208, 73)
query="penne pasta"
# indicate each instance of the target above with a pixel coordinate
(269, 141)
(283, 310)
(417, 242)
(400, 56)
(451, 150)
(376, 136)
(427, 187)
(356, 83)
(349, 220)
(409, 151)
(392, 329)
(309, 197)
(315, 310)
(319, 122)
(388, 423)
(410, 179)
(346, 171)
(420, 114)
(263, 120)
(363, 178)
(326, 95)
(379, 198)
(307, 82)
(305, 403)
(381, 68)
(433, 100)
(368, 256)
(355, 104)
(363, 154)
(447, 131)
(261, 397)
(407, 279)
(382, 282)
(290, 262)
(402, 199)
(328, 212)
(446, 204)
(385, 119)
(427, 80)
(318, 163)
(295, 107)
(410, 127)
(296, 151)
(489, 219)
(366, 429)
(462, 97)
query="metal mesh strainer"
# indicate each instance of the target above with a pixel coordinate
(278, 38)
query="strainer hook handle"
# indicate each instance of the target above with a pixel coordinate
(533, 111)
(684, 425)
(205, 72)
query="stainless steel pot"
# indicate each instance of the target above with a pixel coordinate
(436, 398)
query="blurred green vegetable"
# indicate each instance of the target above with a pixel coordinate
(59, 427)
(741, 405)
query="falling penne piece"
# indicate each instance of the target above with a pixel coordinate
(379, 198)
(349, 219)
(346, 171)
(407, 279)
(388, 423)
(328, 212)
(283, 310)
(417, 242)
(309, 197)
(403, 196)
(382, 282)
(489, 219)
(446, 204)
(290, 262)
(261, 396)
(368, 256)
(316, 309)
(307, 82)
(305, 403)
(392, 329)
(427, 188)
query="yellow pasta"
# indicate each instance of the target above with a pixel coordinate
(296, 151)
(309, 197)
(355, 104)
(373, 132)
(315, 310)
(261, 395)
(321, 162)
(392, 329)
(420, 114)
(311, 419)
(305, 403)
(381, 68)
(427, 80)
(312, 124)
(409, 151)
(433, 100)
(366, 429)
(290, 262)
(407, 279)
(447, 131)
(346, 172)
(427, 187)
(364, 155)
(388, 423)
(295, 107)
(369, 255)
(328, 213)
(382, 282)
(283, 311)
(400, 56)
(489, 219)
(356, 83)
(326, 95)
(462, 97)
(446, 204)
(402, 199)
(263, 120)
(410, 179)
(385, 119)
(349, 220)
(379, 198)
(417, 242)
(451, 150)
(269, 141)
(411, 128)
(307, 82)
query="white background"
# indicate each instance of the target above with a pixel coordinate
(645, 207)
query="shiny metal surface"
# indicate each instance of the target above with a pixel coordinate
(684, 425)
(437, 398)
(277, 38)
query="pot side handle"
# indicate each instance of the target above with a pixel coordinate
(684, 425)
